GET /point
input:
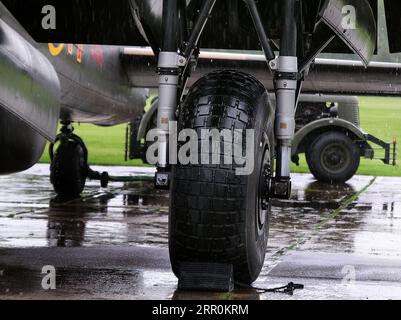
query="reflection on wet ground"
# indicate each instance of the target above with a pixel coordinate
(113, 243)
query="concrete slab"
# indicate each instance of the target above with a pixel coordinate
(339, 242)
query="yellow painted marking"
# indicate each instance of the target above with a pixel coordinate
(80, 53)
(70, 49)
(56, 48)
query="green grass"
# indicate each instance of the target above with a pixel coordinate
(106, 145)
(379, 116)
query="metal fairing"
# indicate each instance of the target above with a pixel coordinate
(362, 36)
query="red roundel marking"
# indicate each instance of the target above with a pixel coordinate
(97, 53)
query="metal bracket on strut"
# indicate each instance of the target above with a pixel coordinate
(171, 61)
(281, 188)
(162, 179)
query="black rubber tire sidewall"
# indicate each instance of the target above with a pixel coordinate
(69, 169)
(320, 143)
(247, 261)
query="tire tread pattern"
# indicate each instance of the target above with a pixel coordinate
(208, 201)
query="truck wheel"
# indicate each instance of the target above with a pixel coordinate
(217, 216)
(333, 157)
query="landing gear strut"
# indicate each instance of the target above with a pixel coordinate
(287, 92)
(69, 167)
(174, 65)
(216, 216)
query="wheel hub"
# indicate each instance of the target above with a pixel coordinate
(334, 158)
(264, 192)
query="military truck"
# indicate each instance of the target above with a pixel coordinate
(328, 133)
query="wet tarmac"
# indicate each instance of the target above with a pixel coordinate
(340, 241)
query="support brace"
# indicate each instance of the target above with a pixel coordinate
(286, 95)
(171, 69)
(287, 84)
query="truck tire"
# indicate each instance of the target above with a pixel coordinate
(333, 157)
(217, 216)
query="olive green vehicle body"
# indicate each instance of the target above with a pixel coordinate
(342, 115)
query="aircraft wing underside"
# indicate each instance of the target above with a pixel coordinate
(138, 23)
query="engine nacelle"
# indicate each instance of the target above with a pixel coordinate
(29, 102)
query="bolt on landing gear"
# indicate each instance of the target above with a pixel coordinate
(69, 167)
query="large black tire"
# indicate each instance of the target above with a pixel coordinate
(333, 157)
(217, 216)
(69, 169)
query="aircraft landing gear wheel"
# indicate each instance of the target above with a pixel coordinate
(69, 166)
(333, 157)
(217, 216)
